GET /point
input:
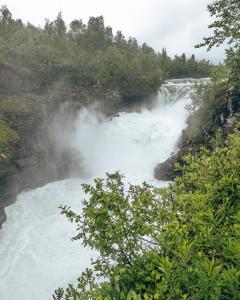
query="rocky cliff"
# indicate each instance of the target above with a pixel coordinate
(28, 155)
(223, 119)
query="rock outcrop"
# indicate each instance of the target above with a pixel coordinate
(225, 119)
(30, 158)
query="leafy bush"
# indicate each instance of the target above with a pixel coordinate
(181, 242)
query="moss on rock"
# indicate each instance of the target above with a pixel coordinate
(7, 137)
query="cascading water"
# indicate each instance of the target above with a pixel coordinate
(36, 254)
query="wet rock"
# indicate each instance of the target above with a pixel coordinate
(3, 216)
(24, 162)
(35, 160)
(4, 165)
(164, 171)
(231, 122)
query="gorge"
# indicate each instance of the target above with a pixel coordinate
(119, 160)
(35, 246)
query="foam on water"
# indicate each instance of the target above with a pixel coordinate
(36, 254)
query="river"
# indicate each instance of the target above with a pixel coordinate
(36, 253)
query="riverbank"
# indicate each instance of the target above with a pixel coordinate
(207, 126)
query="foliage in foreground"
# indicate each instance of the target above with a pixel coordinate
(182, 242)
(226, 28)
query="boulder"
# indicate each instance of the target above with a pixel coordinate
(166, 171)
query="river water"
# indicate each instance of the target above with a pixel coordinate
(36, 253)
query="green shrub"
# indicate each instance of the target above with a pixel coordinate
(182, 242)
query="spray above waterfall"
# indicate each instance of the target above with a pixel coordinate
(132, 143)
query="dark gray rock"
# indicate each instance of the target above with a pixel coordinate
(3, 216)
(164, 171)
(35, 159)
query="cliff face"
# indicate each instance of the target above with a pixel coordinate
(28, 155)
(22, 160)
(224, 119)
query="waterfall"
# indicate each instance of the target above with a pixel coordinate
(36, 254)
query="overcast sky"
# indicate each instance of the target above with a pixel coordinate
(175, 24)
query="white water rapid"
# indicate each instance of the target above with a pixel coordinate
(36, 254)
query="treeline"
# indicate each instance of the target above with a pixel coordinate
(83, 55)
(183, 67)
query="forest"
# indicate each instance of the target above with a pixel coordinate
(33, 59)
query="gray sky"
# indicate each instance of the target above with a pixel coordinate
(175, 24)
